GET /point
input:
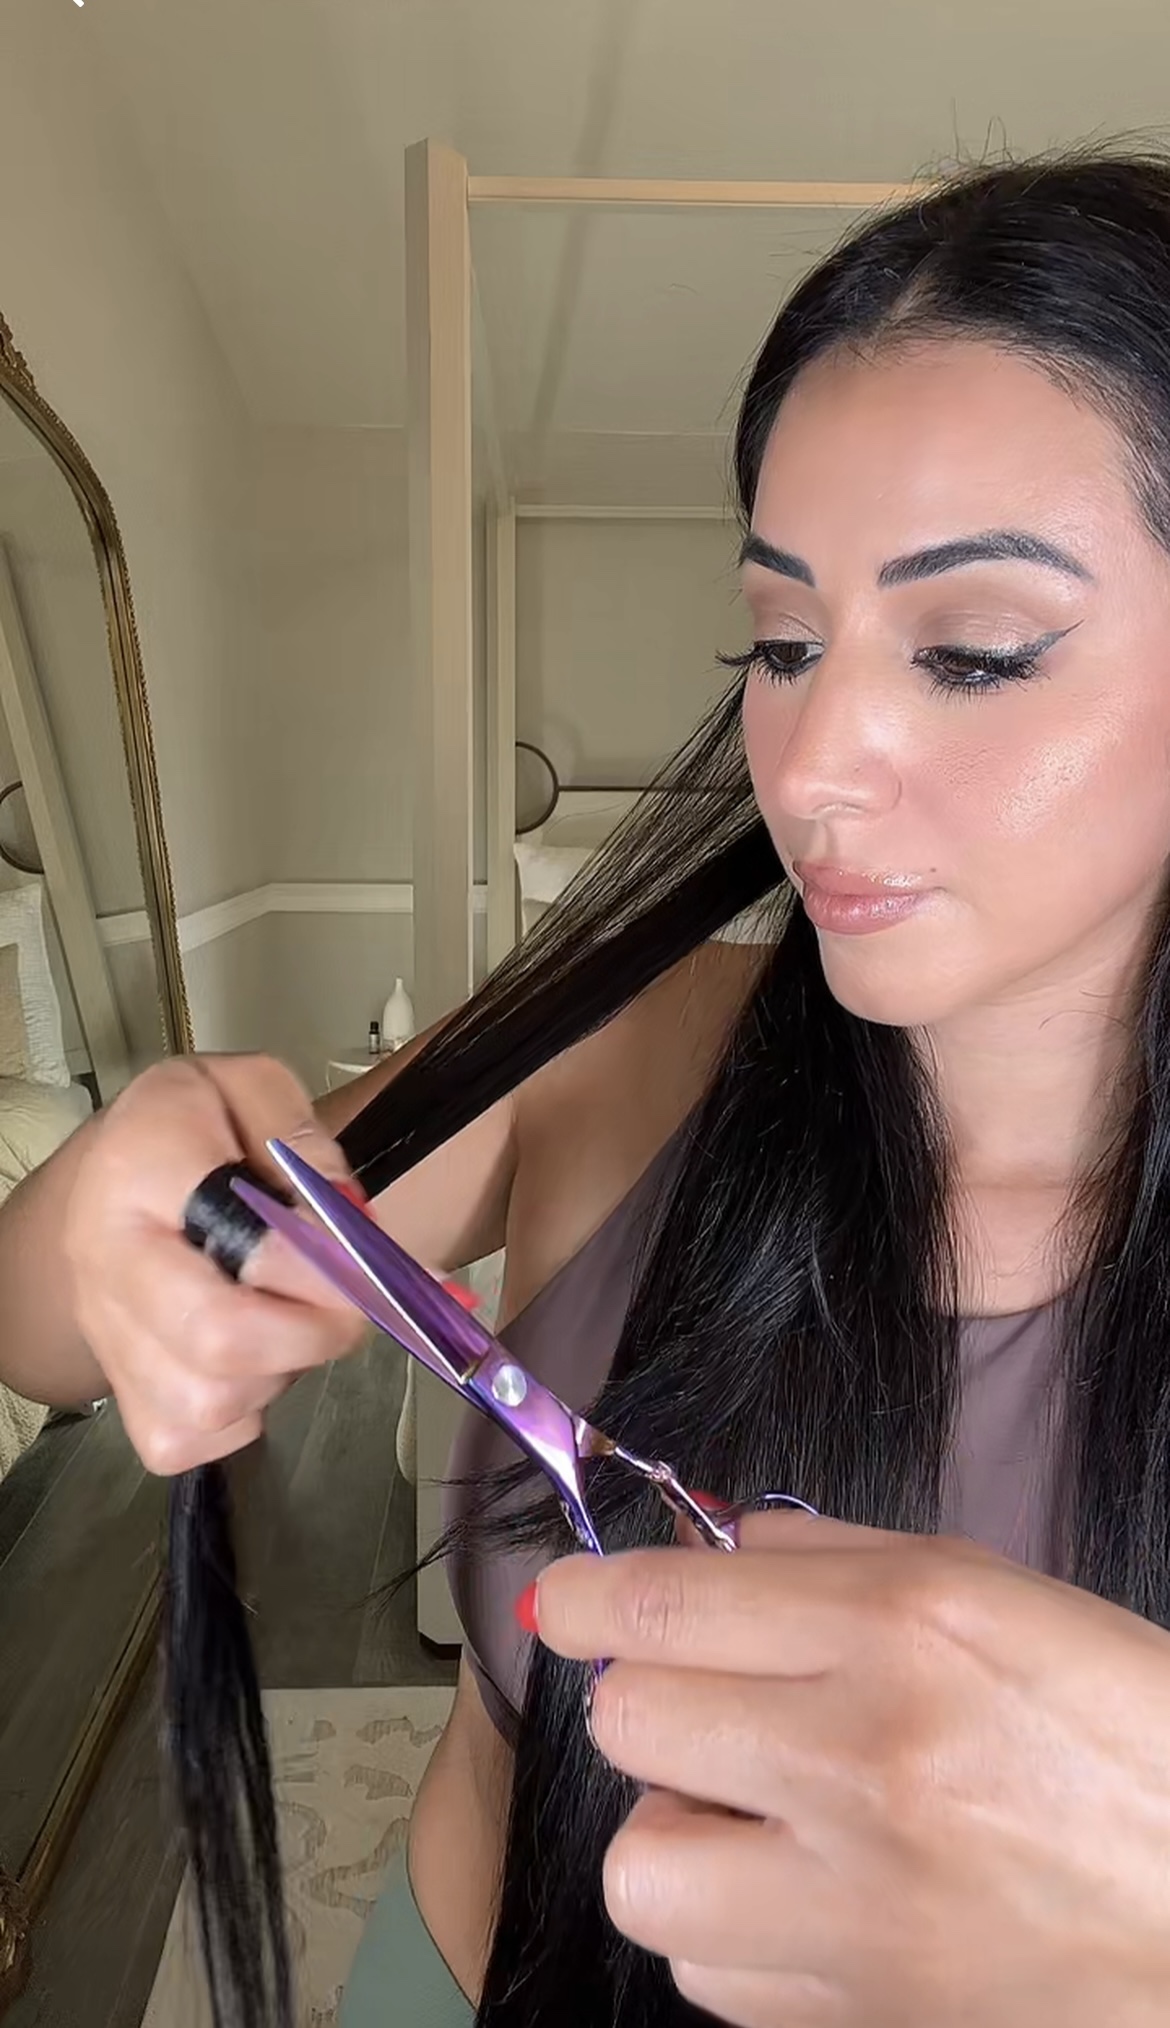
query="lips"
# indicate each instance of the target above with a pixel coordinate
(843, 902)
(842, 880)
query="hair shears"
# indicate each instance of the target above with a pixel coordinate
(399, 1296)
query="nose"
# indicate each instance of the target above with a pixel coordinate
(822, 748)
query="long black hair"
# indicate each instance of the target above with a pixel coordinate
(794, 1320)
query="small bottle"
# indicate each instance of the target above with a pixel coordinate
(397, 1018)
(375, 1039)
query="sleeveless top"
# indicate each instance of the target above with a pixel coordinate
(998, 1487)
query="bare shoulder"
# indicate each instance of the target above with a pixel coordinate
(591, 1122)
(657, 1054)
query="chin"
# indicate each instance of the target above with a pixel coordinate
(885, 985)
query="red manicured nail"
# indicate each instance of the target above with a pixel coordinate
(352, 1189)
(707, 1501)
(525, 1610)
(466, 1298)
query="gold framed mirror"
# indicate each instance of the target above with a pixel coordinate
(81, 841)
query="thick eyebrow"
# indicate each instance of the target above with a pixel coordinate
(755, 550)
(998, 545)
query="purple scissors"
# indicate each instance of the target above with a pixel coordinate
(403, 1300)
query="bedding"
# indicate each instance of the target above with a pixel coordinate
(546, 870)
(22, 928)
(34, 1120)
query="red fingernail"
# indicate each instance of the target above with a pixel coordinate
(352, 1189)
(707, 1502)
(525, 1610)
(466, 1298)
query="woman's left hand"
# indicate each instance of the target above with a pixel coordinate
(896, 1781)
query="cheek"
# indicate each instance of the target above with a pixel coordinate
(768, 715)
(1098, 787)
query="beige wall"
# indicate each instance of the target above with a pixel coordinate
(116, 337)
(618, 628)
(328, 565)
(270, 577)
(618, 624)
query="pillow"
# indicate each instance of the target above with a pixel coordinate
(13, 1040)
(22, 923)
(546, 870)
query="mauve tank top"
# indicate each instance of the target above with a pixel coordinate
(998, 1488)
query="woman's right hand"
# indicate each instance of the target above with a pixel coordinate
(193, 1359)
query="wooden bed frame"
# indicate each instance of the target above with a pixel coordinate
(444, 337)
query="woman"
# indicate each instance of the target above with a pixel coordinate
(890, 1197)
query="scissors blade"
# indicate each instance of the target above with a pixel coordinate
(402, 1299)
(328, 1256)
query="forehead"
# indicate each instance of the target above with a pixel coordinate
(913, 445)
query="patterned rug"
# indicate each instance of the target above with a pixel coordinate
(347, 1766)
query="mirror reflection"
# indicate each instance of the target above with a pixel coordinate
(81, 1012)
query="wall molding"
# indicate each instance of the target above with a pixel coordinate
(280, 897)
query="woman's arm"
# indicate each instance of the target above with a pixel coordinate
(42, 1353)
(100, 1292)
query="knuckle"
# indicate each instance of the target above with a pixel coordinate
(210, 1405)
(164, 1451)
(213, 1337)
(913, 1591)
(651, 1605)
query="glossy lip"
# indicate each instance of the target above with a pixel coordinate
(840, 880)
(848, 904)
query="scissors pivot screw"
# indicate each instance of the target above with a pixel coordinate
(509, 1386)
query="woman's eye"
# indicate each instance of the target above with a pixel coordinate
(779, 661)
(952, 668)
(979, 668)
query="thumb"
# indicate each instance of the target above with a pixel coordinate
(264, 1102)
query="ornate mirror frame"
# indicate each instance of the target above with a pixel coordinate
(21, 1898)
(17, 383)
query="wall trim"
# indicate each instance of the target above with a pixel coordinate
(281, 897)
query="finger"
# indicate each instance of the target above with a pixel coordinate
(184, 1119)
(792, 1527)
(168, 1450)
(689, 1882)
(181, 1299)
(785, 1612)
(689, 1537)
(762, 1999)
(264, 1101)
(783, 1749)
(159, 1378)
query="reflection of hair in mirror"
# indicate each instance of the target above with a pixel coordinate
(800, 1298)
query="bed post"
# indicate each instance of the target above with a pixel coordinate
(438, 319)
(501, 733)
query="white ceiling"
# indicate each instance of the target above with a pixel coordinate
(273, 132)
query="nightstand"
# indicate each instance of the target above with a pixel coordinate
(346, 1064)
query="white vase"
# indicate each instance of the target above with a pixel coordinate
(397, 1018)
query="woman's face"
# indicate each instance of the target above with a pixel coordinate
(958, 720)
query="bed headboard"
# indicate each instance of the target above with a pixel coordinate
(576, 819)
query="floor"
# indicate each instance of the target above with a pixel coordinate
(325, 1521)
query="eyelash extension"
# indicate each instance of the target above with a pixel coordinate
(962, 670)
